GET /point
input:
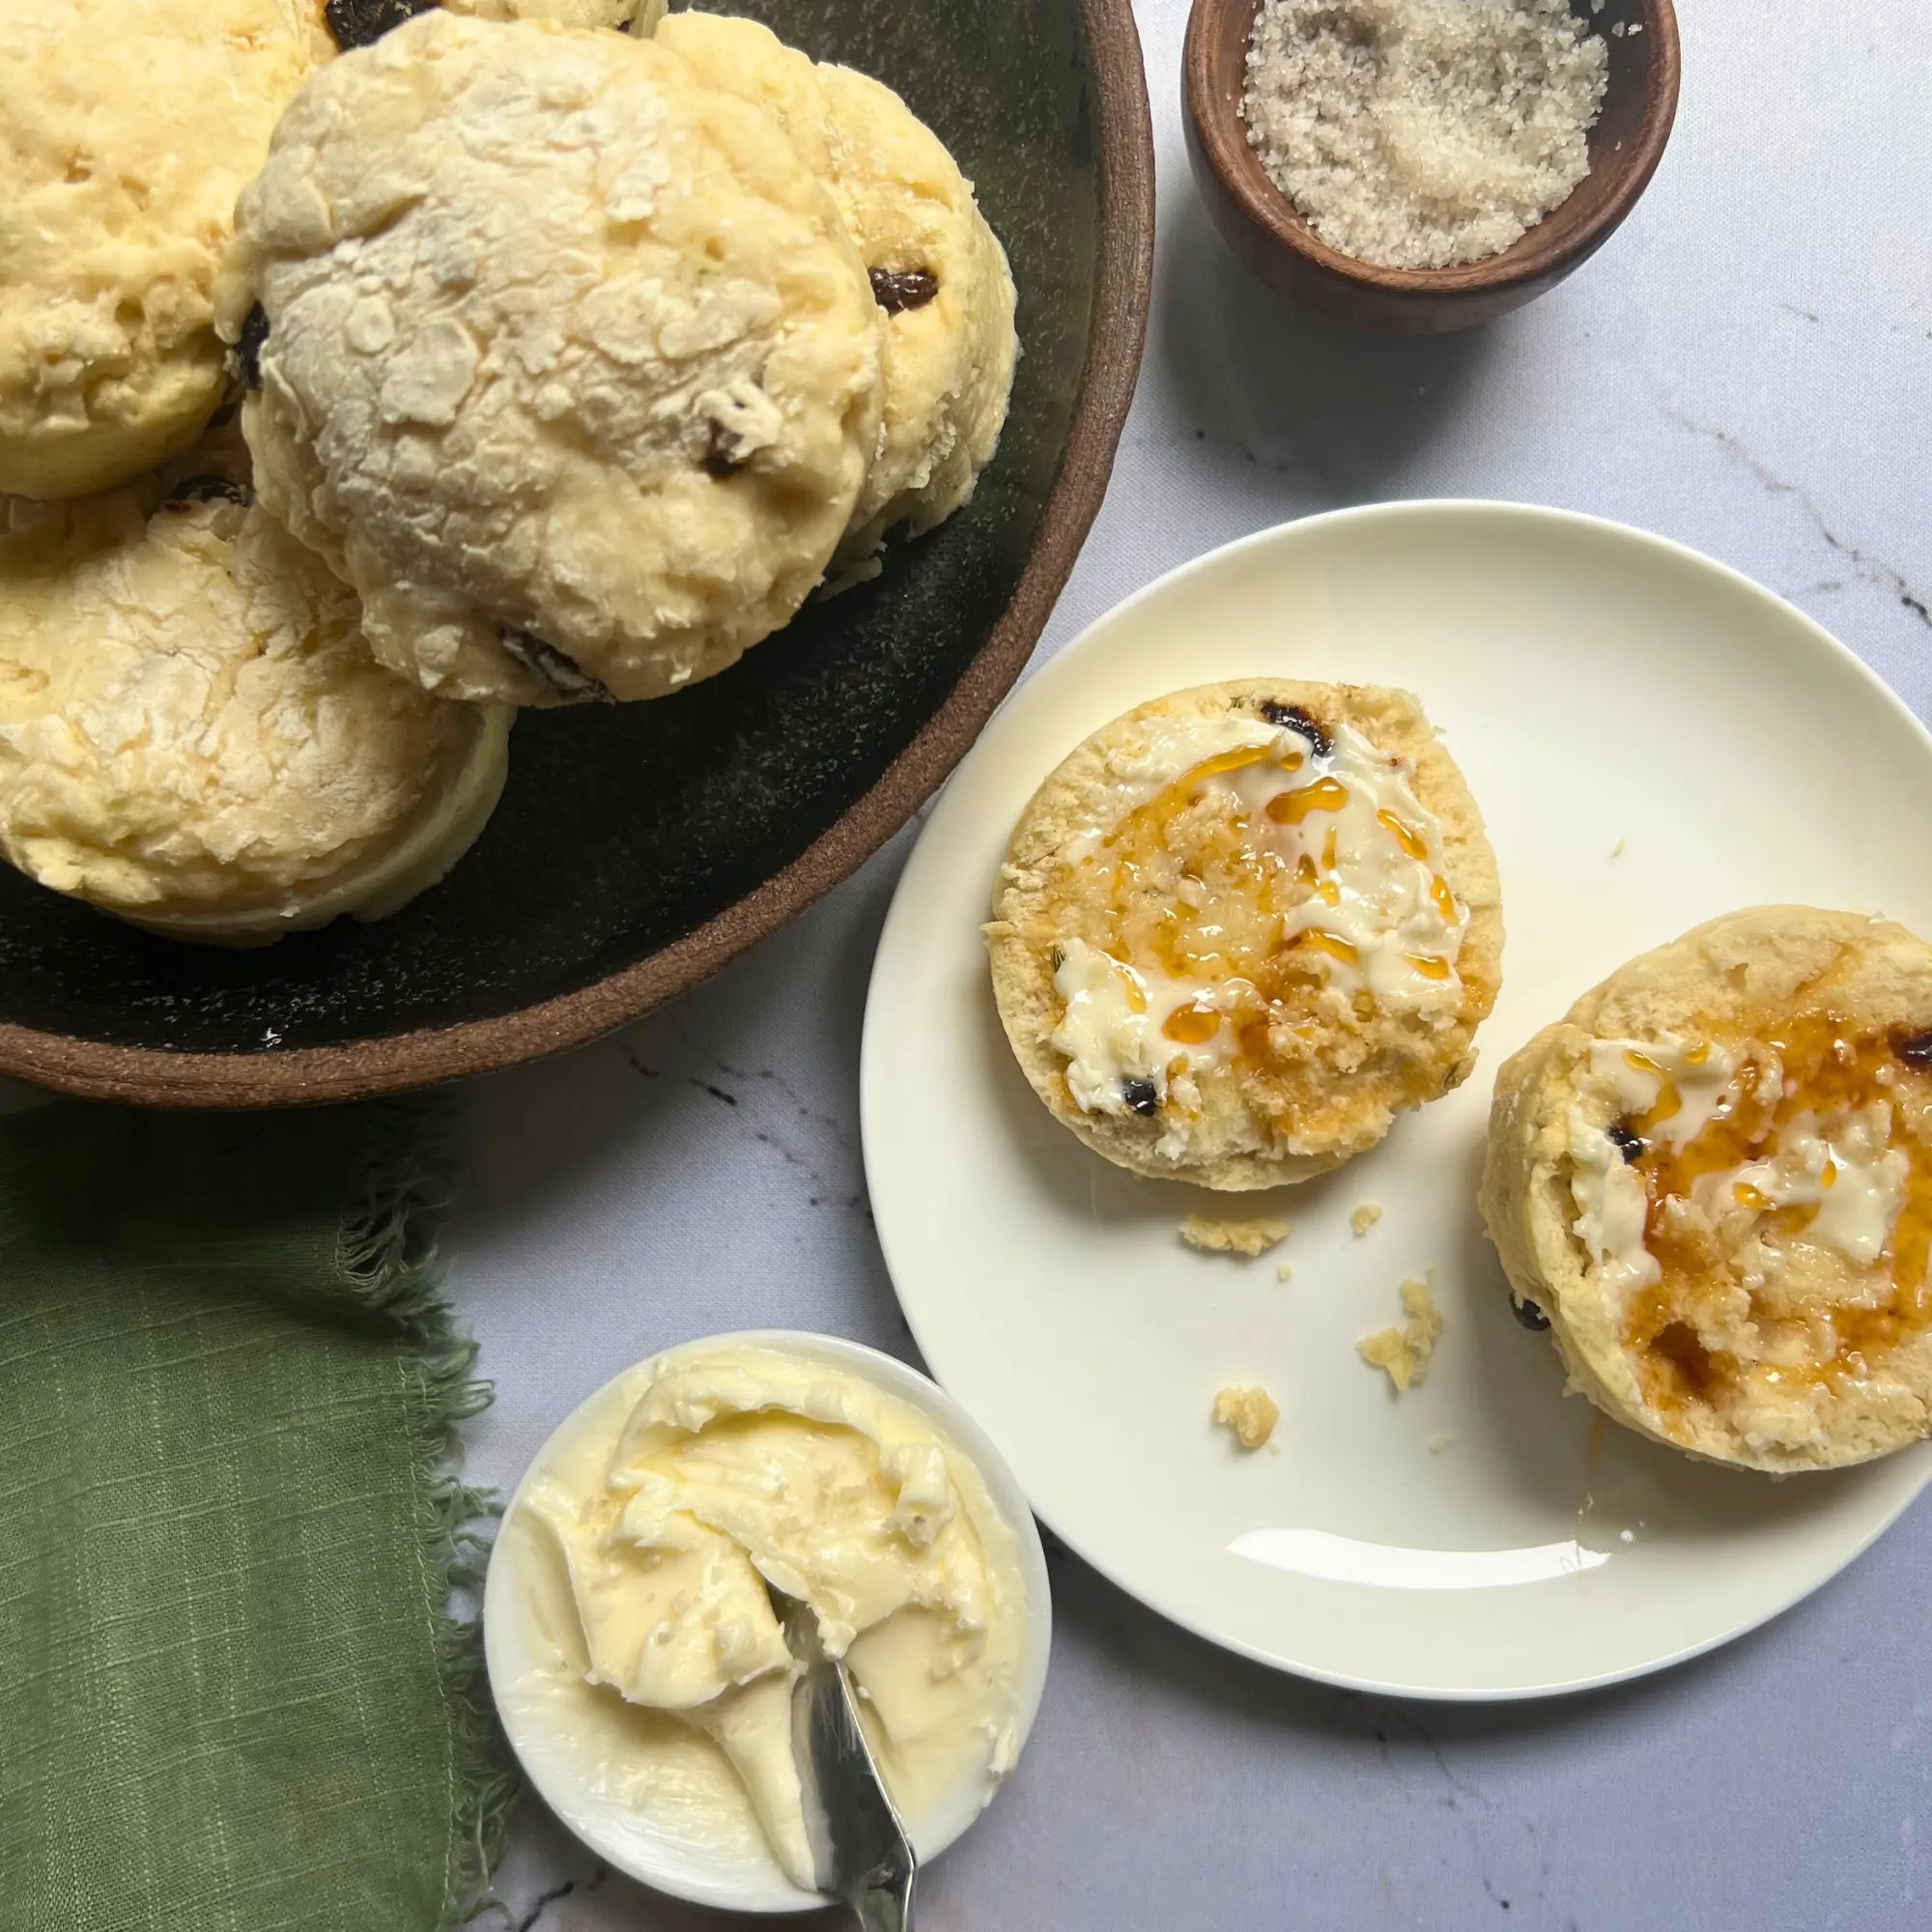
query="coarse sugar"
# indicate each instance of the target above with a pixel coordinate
(1423, 133)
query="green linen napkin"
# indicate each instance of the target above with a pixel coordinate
(232, 1698)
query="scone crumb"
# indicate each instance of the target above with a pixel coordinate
(1365, 1217)
(1250, 1412)
(1284, 1270)
(1233, 1238)
(1617, 850)
(1403, 1354)
(1438, 1443)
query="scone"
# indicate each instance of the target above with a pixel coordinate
(362, 24)
(193, 735)
(565, 360)
(128, 128)
(639, 16)
(937, 270)
(1243, 927)
(1714, 1178)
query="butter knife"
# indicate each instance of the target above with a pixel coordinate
(858, 1844)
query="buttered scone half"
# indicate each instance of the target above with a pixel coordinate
(565, 360)
(194, 737)
(1714, 1177)
(937, 270)
(128, 128)
(1242, 927)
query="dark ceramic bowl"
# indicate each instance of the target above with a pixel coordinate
(1261, 225)
(639, 848)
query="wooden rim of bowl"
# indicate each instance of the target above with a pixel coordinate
(151, 1076)
(1218, 126)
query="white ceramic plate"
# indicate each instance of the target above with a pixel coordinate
(525, 1605)
(1653, 740)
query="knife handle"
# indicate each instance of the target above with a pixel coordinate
(887, 1907)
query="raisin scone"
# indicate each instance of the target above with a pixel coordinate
(348, 24)
(1243, 927)
(565, 361)
(640, 16)
(937, 270)
(128, 128)
(1713, 1180)
(193, 735)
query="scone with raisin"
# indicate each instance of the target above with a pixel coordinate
(937, 270)
(128, 128)
(1714, 1177)
(348, 24)
(639, 16)
(565, 360)
(193, 735)
(1242, 927)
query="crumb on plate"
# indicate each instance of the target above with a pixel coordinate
(1438, 1443)
(1250, 1412)
(1403, 1354)
(1233, 1238)
(1365, 1217)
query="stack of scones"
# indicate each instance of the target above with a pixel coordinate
(369, 369)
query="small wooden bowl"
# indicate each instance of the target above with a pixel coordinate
(1260, 223)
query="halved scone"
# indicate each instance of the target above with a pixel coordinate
(1243, 927)
(1714, 1178)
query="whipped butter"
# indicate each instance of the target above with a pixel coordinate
(1839, 1169)
(1374, 857)
(1843, 1169)
(1612, 1209)
(646, 1539)
(1670, 1088)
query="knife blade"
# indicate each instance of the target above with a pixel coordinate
(857, 1842)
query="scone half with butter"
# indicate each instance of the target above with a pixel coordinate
(193, 735)
(1714, 1177)
(1243, 927)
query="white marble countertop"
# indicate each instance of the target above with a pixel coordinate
(1746, 367)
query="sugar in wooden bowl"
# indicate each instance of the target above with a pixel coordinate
(1421, 165)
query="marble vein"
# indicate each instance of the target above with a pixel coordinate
(1872, 569)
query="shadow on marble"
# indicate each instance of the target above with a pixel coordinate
(1330, 411)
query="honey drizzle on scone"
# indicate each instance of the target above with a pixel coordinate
(1268, 914)
(1808, 1076)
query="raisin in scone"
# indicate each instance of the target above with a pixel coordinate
(1714, 1177)
(565, 360)
(1243, 927)
(193, 735)
(937, 270)
(128, 128)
